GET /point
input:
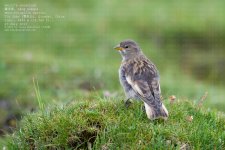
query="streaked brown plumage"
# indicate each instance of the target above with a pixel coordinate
(140, 79)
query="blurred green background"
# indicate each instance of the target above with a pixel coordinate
(74, 59)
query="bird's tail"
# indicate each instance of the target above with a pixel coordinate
(153, 113)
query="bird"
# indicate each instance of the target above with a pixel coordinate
(139, 78)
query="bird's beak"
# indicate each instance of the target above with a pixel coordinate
(117, 47)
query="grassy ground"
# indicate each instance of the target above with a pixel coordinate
(108, 124)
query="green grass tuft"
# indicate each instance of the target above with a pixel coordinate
(38, 95)
(108, 124)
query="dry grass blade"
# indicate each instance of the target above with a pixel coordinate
(202, 99)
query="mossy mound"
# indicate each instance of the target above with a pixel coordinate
(108, 124)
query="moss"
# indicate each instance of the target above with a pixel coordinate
(108, 124)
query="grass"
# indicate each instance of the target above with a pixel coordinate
(38, 95)
(108, 124)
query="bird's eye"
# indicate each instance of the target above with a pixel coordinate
(126, 46)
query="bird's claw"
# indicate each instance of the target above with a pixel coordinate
(127, 103)
(143, 108)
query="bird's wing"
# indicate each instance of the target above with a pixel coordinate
(150, 95)
(148, 91)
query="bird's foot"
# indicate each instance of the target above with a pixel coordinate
(127, 103)
(143, 108)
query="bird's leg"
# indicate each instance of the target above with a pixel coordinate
(143, 108)
(127, 102)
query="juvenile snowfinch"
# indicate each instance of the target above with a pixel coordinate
(140, 79)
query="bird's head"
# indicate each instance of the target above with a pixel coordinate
(128, 49)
